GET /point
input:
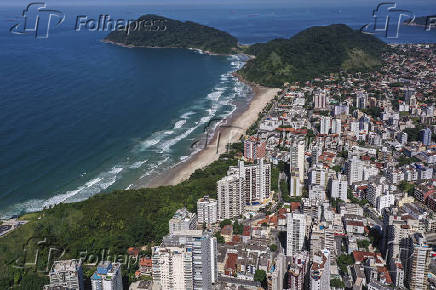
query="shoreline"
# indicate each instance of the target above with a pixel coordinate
(229, 131)
(140, 46)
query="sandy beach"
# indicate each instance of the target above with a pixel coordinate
(229, 132)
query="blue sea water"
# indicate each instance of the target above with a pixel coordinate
(78, 116)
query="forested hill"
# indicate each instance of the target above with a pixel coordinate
(157, 31)
(311, 53)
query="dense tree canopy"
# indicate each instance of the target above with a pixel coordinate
(311, 53)
(174, 33)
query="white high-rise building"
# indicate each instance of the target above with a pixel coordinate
(297, 270)
(231, 198)
(416, 276)
(338, 187)
(67, 274)
(320, 271)
(182, 220)
(375, 189)
(361, 100)
(355, 128)
(316, 152)
(204, 255)
(419, 266)
(107, 277)
(318, 175)
(172, 268)
(256, 179)
(320, 100)
(243, 184)
(296, 232)
(317, 192)
(297, 159)
(296, 187)
(383, 201)
(354, 168)
(325, 125)
(336, 126)
(207, 211)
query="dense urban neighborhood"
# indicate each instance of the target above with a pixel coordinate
(333, 187)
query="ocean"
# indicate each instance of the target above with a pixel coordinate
(79, 116)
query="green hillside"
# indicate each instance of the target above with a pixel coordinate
(311, 53)
(106, 222)
(158, 31)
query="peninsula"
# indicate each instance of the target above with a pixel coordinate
(161, 32)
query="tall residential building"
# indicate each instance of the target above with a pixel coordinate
(231, 198)
(341, 110)
(354, 168)
(325, 125)
(383, 201)
(243, 184)
(361, 100)
(207, 210)
(320, 100)
(295, 185)
(336, 126)
(297, 270)
(172, 268)
(323, 237)
(204, 255)
(276, 277)
(183, 220)
(410, 96)
(317, 192)
(257, 185)
(402, 138)
(107, 277)
(375, 189)
(355, 128)
(316, 152)
(255, 180)
(420, 261)
(296, 232)
(425, 135)
(67, 274)
(297, 159)
(318, 175)
(338, 187)
(320, 271)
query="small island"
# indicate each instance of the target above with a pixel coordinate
(161, 32)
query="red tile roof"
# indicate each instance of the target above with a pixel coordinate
(133, 251)
(360, 256)
(384, 273)
(247, 231)
(355, 223)
(146, 262)
(230, 267)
